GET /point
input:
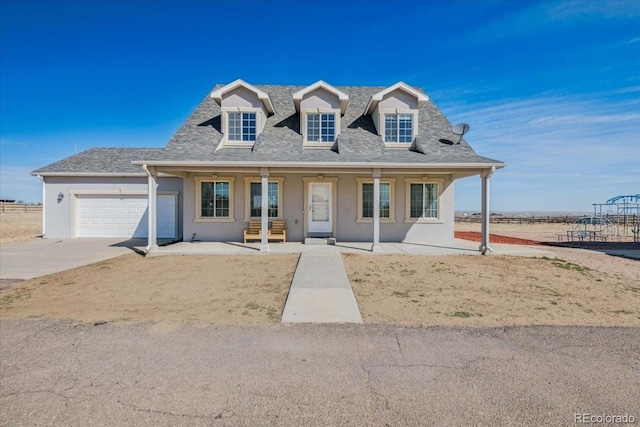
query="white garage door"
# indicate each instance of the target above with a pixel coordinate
(124, 216)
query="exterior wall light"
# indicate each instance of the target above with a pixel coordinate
(60, 197)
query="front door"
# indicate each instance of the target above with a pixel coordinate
(320, 208)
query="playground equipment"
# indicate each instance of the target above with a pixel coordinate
(593, 229)
(617, 217)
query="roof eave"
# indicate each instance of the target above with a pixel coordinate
(105, 174)
(469, 165)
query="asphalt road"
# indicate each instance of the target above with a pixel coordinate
(58, 373)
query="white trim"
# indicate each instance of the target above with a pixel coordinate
(334, 195)
(44, 204)
(112, 175)
(263, 96)
(198, 198)
(375, 99)
(225, 141)
(247, 196)
(398, 112)
(304, 123)
(392, 204)
(321, 224)
(121, 192)
(75, 194)
(327, 165)
(118, 193)
(407, 201)
(342, 97)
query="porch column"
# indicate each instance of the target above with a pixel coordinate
(44, 204)
(484, 243)
(264, 242)
(376, 210)
(152, 196)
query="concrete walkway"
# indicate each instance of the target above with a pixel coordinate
(37, 257)
(320, 291)
(456, 247)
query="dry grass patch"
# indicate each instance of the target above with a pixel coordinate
(199, 289)
(19, 226)
(488, 291)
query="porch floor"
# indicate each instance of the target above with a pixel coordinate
(457, 247)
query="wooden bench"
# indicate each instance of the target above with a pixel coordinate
(254, 232)
(276, 232)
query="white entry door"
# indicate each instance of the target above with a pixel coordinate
(320, 207)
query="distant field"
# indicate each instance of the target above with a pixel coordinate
(19, 226)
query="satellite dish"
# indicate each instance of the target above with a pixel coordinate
(460, 129)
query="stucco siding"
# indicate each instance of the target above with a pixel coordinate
(320, 98)
(398, 99)
(347, 227)
(60, 217)
(241, 97)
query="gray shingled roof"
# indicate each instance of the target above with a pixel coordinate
(281, 140)
(102, 160)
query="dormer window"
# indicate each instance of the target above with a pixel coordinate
(398, 128)
(321, 107)
(321, 127)
(242, 127)
(245, 109)
(394, 111)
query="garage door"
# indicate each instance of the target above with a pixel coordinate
(124, 216)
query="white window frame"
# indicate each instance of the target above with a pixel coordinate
(225, 125)
(241, 115)
(392, 196)
(398, 112)
(407, 208)
(198, 198)
(304, 124)
(248, 180)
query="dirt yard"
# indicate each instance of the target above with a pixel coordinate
(466, 290)
(579, 288)
(19, 226)
(195, 289)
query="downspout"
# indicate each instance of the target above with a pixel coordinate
(44, 197)
(486, 217)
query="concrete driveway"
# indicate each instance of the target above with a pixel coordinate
(38, 257)
(60, 373)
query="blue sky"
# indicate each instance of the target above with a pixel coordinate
(551, 88)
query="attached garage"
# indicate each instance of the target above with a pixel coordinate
(124, 216)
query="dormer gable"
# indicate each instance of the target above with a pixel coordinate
(321, 107)
(245, 109)
(394, 111)
(316, 91)
(223, 95)
(419, 97)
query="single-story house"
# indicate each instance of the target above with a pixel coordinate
(353, 163)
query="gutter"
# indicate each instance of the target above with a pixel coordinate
(336, 165)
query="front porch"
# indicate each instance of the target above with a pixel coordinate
(459, 247)
(373, 207)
